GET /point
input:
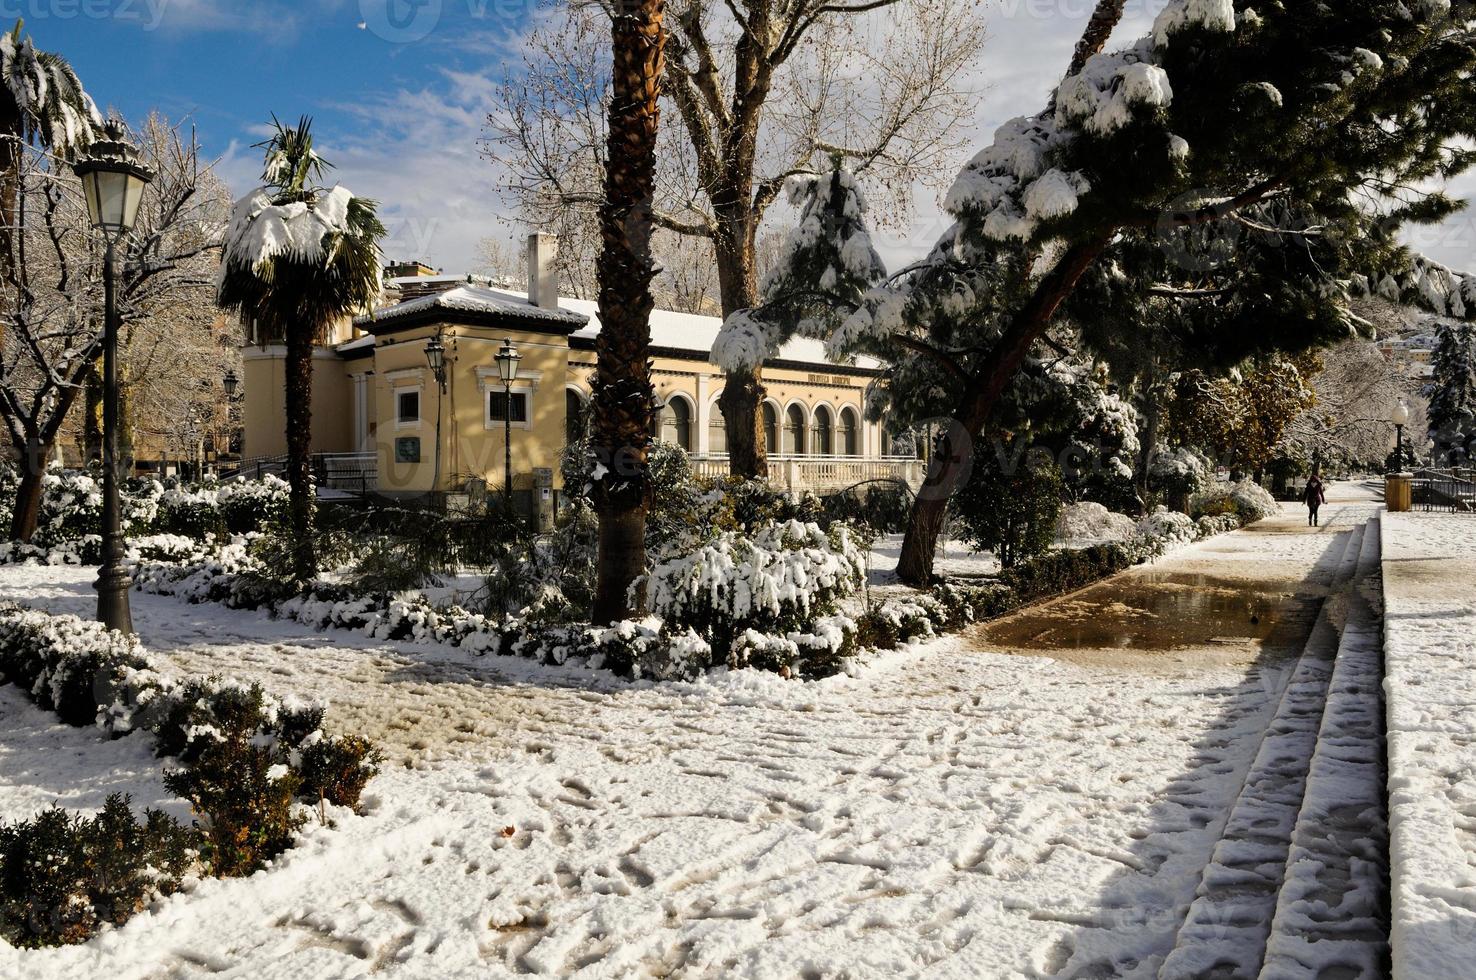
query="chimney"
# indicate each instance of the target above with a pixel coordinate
(543, 270)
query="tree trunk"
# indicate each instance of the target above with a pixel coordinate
(92, 417)
(742, 402)
(1152, 417)
(28, 494)
(10, 173)
(624, 401)
(1098, 31)
(742, 399)
(953, 453)
(299, 396)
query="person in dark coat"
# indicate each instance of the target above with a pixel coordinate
(1314, 497)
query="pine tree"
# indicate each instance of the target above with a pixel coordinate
(1250, 166)
(824, 271)
(1452, 393)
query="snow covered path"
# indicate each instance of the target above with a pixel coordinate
(1430, 687)
(961, 813)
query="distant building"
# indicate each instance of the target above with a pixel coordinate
(374, 395)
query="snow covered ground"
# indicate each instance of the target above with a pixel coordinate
(963, 811)
(1430, 686)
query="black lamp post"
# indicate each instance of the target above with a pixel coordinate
(435, 356)
(507, 366)
(1400, 418)
(113, 181)
(231, 383)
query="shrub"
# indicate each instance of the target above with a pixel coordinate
(337, 768)
(1063, 571)
(244, 799)
(1160, 532)
(1178, 473)
(1247, 499)
(1088, 521)
(63, 876)
(780, 580)
(1012, 514)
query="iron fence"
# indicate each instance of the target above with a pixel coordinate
(1449, 490)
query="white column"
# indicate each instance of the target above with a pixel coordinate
(701, 416)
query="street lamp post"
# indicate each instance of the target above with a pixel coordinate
(1400, 418)
(507, 366)
(435, 356)
(113, 182)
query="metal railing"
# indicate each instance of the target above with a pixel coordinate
(1444, 490)
(821, 474)
(346, 472)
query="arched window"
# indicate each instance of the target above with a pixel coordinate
(771, 427)
(794, 431)
(850, 433)
(676, 423)
(574, 415)
(717, 430)
(824, 443)
(886, 441)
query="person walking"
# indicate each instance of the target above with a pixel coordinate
(1314, 497)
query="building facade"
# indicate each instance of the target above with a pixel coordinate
(378, 407)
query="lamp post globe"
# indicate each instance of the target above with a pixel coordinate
(1400, 418)
(507, 366)
(113, 182)
(232, 383)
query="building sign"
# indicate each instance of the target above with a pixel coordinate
(407, 449)
(829, 379)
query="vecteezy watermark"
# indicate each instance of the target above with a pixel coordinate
(400, 21)
(148, 13)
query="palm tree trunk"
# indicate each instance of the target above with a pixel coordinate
(1098, 30)
(623, 397)
(299, 396)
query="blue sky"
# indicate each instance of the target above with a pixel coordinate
(399, 90)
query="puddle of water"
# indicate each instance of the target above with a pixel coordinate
(1163, 611)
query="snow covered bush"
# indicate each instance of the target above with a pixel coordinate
(1178, 472)
(780, 580)
(1208, 526)
(1247, 499)
(1090, 521)
(252, 505)
(1161, 532)
(62, 877)
(71, 507)
(89, 675)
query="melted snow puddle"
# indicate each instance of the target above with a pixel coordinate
(1157, 611)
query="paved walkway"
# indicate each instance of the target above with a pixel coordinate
(1006, 804)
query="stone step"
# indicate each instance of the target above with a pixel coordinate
(1226, 927)
(1332, 914)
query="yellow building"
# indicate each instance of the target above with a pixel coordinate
(382, 422)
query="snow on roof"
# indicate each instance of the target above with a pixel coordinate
(472, 299)
(695, 332)
(680, 331)
(357, 343)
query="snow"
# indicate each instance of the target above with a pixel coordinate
(473, 299)
(260, 231)
(1430, 690)
(1103, 95)
(954, 811)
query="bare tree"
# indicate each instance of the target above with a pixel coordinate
(763, 89)
(53, 332)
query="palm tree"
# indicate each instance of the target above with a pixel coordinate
(41, 102)
(298, 258)
(624, 401)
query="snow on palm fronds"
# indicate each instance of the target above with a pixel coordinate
(294, 250)
(49, 99)
(827, 264)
